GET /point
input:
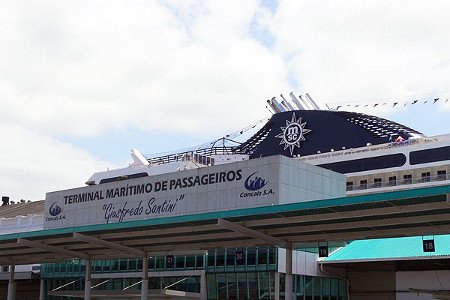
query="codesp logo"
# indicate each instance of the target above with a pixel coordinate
(254, 183)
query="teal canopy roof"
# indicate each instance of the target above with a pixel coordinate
(390, 249)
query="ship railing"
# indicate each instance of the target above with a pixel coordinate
(336, 153)
(202, 156)
(398, 182)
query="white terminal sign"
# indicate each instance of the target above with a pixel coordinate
(244, 184)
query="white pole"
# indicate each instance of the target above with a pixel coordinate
(203, 292)
(277, 286)
(11, 282)
(42, 290)
(144, 284)
(87, 281)
(288, 277)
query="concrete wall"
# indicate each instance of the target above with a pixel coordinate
(391, 285)
(303, 263)
(300, 182)
(425, 280)
(373, 285)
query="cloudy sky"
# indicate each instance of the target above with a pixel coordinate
(83, 82)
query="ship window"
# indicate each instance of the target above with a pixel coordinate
(363, 184)
(118, 178)
(426, 176)
(367, 164)
(137, 175)
(220, 258)
(392, 180)
(429, 155)
(441, 175)
(349, 185)
(251, 256)
(407, 178)
(377, 182)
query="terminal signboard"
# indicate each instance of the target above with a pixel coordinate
(245, 184)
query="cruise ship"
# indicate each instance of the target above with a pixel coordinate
(373, 153)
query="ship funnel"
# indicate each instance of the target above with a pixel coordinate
(286, 103)
(273, 106)
(296, 102)
(314, 104)
(278, 105)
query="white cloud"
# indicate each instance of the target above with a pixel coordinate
(32, 165)
(341, 50)
(87, 67)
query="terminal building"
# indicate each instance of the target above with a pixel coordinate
(311, 204)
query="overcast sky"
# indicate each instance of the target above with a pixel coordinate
(83, 82)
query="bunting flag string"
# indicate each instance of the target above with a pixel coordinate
(392, 103)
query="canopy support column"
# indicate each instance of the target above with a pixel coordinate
(277, 286)
(144, 284)
(288, 277)
(203, 291)
(42, 290)
(11, 285)
(87, 280)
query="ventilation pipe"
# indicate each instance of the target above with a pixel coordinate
(296, 102)
(278, 105)
(286, 103)
(312, 102)
(273, 107)
(286, 108)
(306, 102)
